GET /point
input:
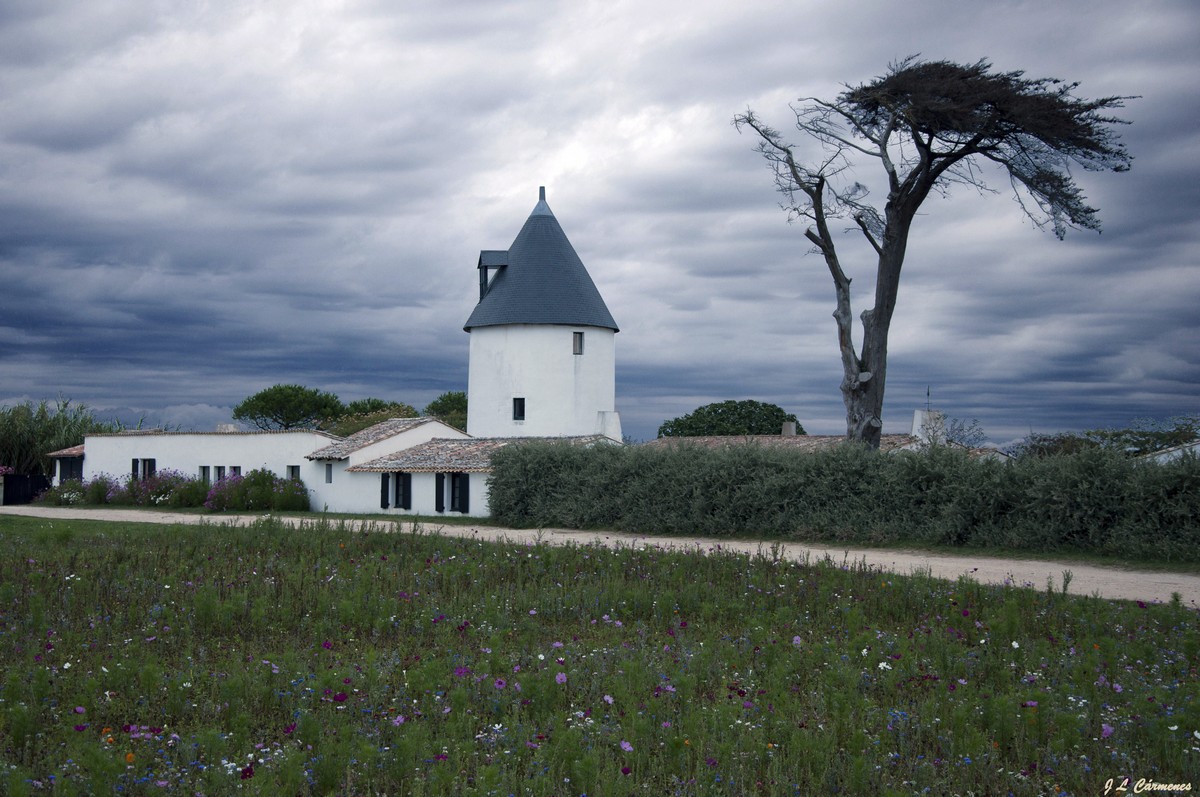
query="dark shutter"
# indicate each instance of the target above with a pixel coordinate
(383, 491)
(135, 468)
(403, 490)
(464, 493)
(149, 467)
(439, 501)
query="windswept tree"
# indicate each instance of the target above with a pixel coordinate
(929, 126)
(289, 407)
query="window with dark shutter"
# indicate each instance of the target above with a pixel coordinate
(136, 469)
(403, 490)
(384, 491)
(149, 467)
(439, 500)
(460, 500)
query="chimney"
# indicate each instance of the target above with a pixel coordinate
(789, 429)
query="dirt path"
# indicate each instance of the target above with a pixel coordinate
(1086, 579)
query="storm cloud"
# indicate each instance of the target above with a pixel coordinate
(197, 202)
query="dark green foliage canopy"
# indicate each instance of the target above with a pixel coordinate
(289, 407)
(28, 432)
(450, 407)
(366, 405)
(730, 417)
(349, 423)
(1144, 436)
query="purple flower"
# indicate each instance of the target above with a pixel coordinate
(1029, 704)
(608, 699)
(398, 720)
(499, 683)
(327, 644)
(289, 729)
(1106, 730)
(625, 770)
(80, 710)
(340, 697)
(626, 746)
(561, 678)
(81, 727)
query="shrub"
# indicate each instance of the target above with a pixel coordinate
(258, 490)
(1097, 500)
(68, 493)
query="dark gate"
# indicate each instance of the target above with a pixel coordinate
(23, 489)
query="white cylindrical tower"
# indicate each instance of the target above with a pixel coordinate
(543, 358)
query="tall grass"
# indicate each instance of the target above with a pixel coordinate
(29, 431)
(1096, 501)
(272, 660)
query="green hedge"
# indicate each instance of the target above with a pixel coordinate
(1095, 501)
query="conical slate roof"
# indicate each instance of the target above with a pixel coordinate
(540, 280)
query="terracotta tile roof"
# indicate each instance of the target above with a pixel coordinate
(800, 442)
(73, 451)
(346, 446)
(473, 455)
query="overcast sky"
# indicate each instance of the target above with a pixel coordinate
(201, 200)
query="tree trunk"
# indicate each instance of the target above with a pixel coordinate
(865, 376)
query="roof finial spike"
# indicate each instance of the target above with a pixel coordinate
(541, 193)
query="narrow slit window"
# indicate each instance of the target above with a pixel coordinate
(518, 409)
(577, 342)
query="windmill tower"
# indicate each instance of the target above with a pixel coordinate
(542, 354)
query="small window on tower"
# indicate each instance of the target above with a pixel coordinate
(518, 409)
(577, 342)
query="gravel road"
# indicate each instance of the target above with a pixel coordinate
(1086, 579)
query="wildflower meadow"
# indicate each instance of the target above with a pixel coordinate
(214, 659)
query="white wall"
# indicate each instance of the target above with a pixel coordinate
(565, 394)
(424, 496)
(188, 451)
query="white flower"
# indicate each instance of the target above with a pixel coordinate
(1015, 645)
(66, 665)
(883, 665)
(864, 651)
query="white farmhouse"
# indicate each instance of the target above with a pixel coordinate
(542, 364)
